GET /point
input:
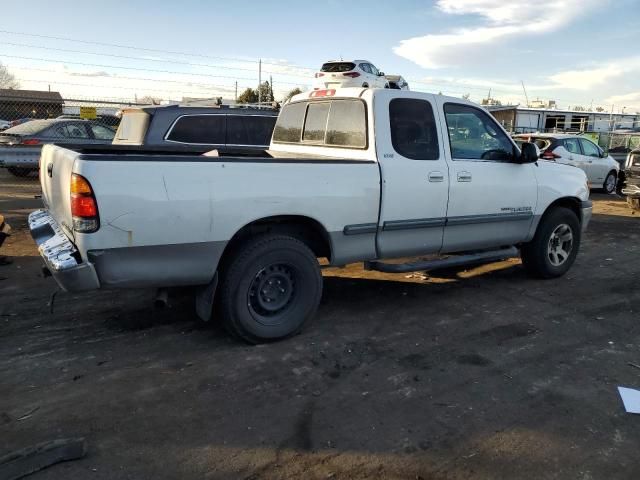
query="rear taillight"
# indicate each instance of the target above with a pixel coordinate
(84, 209)
(549, 155)
(30, 141)
(351, 74)
(318, 75)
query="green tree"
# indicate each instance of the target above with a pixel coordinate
(248, 96)
(292, 93)
(266, 94)
(7, 79)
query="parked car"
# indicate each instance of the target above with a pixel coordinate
(178, 126)
(397, 82)
(109, 120)
(355, 73)
(601, 169)
(4, 124)
(337, 181)
(20, 146)
(520, 141)
(631, 187)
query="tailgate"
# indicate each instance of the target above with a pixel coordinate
(56, 165)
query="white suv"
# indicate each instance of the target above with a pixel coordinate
(354, 73)
(601, 169)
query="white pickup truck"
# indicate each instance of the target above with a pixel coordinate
(351, 175)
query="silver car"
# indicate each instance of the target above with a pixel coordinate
(20, 145)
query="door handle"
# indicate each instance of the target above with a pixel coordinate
(464, 176)
(436, 177)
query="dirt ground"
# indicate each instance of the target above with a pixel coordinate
(479, 374)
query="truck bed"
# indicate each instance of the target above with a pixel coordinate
(166, 215)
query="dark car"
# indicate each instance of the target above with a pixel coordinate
(20, 146)
(197, 128)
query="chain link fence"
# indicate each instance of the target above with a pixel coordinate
(27, 122)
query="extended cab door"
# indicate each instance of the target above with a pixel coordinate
(415, 178)
(492, 197)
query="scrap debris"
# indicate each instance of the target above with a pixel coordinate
(23, 462)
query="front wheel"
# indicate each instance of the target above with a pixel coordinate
(610, 182)
(270, 288)
(555, 245)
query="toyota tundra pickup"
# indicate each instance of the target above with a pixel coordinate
(351, 175)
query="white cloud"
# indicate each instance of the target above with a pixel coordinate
(501, 19)
(589, 78)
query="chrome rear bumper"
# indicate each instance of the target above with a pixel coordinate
(60, 255)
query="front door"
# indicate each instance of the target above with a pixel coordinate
(415, 185)
(491, 197)
(597, 167)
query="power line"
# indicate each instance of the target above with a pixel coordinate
(121, 77)
(448, 83)
(123, 87)
(132, 68)
(130, 47)
(163, 60)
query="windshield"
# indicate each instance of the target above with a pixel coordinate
(338, 67)
(29, 128)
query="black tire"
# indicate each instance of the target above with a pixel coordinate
(270, 288)
(609, 186)
(634, 203)
(541, 255)
(365, 85)
(19, 171)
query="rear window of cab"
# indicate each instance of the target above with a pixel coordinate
(332, 123)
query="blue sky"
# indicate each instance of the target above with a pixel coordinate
(574, 51)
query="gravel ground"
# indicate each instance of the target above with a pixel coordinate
(477, 374)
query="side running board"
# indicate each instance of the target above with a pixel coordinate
(450, 262)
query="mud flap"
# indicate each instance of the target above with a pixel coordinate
(204, 299)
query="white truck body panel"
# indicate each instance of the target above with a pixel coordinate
(166, 220)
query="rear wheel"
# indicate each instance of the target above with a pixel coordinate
(19, 171)
(610, 182)
(555, 245)
(634, 203)
(270, 288)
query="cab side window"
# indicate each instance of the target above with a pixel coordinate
(413, 129)
(473, 135)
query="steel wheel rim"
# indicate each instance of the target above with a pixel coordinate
(271, 293)
(560, 245)
(610, 184)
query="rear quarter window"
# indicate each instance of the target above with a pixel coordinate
(199, 129)
(413, 129)
(249, 129)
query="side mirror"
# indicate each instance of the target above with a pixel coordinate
(381, 74)
(529, 153)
